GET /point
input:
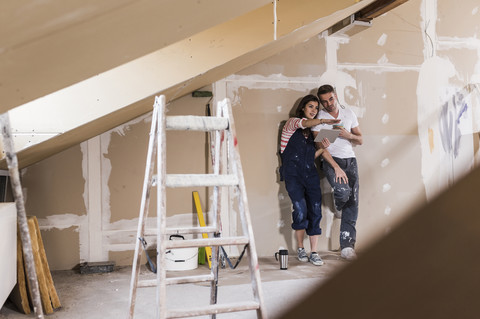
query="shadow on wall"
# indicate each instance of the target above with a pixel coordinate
(283, 199)
(427, 267)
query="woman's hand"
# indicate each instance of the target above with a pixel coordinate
(330, 121)
(324, 143)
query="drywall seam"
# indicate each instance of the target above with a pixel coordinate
(94, 208)
(340, 80)
(378, 68)
(228, 216)
(428, 12)
(445, 43)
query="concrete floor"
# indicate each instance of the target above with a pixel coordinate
(106, 295)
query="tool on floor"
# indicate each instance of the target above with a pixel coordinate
(201, 221)
(223, 126)
(208, 250)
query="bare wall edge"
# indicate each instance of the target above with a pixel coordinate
(97, 126)
(427, 267)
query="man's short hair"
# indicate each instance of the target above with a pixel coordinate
(326, 88)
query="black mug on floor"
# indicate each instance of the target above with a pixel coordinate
(282, 257)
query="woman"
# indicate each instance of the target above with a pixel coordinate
(298, 153)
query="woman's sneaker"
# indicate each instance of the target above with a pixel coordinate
(315, 259)
(302, 255)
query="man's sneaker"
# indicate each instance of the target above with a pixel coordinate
(302, 254)
(348, 253)
(315, 259)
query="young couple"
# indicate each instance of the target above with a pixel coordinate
(298, 153)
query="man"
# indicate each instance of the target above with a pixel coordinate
(340, 165)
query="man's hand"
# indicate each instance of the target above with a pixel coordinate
(340, 176)
(344, 133)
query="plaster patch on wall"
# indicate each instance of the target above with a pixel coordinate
(385, 139)
(381, 41)
(106, 171)
(388, 210)
(433, 90)
(237, 82)
(445, 43)
(83, 239)
(64, 221)
(383, 60)
(385, 118)
(475, 11)
(384, 96)
(385, 163)
(279, 109)
(281, 223)
(386, 187)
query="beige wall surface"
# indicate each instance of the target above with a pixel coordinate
(413, 79)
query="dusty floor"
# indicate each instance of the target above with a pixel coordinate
(106, 295)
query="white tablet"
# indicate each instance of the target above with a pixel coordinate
(330, 134)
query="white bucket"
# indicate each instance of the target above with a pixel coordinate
(181, 258)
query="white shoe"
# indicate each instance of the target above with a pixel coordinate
(348, 253)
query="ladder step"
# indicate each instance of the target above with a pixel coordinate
(214, 309)
(176, 280)
(191, 180)
(183, 230)
(204, 242)
(196, 123)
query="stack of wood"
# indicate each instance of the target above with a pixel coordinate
(21, 293)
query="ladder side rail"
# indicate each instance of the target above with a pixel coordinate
(243, 201)
(161, 211)
(145, 203)
(218, 142)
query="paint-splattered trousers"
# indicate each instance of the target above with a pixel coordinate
(346, 198)
(306, 196)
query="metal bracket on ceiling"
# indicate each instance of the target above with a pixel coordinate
(349, 26)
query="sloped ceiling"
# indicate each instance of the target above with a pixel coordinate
(80, 68)
(49, 45)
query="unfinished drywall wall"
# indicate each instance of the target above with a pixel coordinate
(54, 192)
(412, 79)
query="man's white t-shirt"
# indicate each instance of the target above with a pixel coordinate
(341, 148)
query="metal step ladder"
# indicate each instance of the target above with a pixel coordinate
(223, 126)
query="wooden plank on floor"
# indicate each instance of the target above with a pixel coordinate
(52, 292)
(42, 282)
(19, 295)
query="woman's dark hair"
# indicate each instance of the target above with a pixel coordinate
(327, 88)
(307, 98)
